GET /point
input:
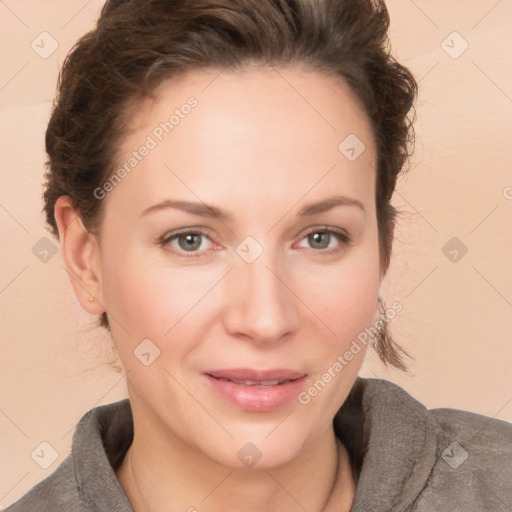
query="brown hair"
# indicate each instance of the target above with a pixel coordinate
(139, 43)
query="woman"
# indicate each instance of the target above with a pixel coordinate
(233, 235)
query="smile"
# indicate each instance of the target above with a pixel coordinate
(255, 395)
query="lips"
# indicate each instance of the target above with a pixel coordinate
(256, 390)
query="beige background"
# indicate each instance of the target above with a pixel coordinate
(456, 317)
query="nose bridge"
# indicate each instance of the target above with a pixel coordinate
(264, 308)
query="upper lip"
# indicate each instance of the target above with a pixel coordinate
(256, 375)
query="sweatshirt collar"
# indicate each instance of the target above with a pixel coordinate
(100, 442)
(391, 438)
(389, 435)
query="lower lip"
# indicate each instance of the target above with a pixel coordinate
(255, 398)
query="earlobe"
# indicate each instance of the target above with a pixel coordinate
(80, 251)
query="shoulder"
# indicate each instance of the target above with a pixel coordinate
(467, 457)
(447, 423)
(85, 481)
(473, 461)
(477, 430)
(57, 492)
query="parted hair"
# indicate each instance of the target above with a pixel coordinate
(137, 44)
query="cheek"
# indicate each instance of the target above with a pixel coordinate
(345, 309)
(141, 294)
(344, 297)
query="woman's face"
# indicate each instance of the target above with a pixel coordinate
(280, 272)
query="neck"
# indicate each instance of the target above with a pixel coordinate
(164, 473)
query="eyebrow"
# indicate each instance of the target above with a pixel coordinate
(204, 210)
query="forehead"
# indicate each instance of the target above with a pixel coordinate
(279, 131)
(273, 96)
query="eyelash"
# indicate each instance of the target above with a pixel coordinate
(343, 237)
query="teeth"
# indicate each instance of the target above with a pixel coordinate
(255, 383)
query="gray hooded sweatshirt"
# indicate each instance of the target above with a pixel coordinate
(406, 457)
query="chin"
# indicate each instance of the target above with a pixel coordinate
(258, 451)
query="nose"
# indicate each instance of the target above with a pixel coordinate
(261, 306)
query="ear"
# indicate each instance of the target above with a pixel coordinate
(81, 254)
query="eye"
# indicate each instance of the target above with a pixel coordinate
(327, 240)
(191, 241)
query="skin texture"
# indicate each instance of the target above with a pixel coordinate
(261, 144)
